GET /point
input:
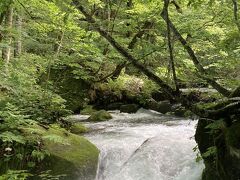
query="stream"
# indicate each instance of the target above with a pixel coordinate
(145, 146)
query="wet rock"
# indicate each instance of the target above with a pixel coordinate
(162, 106)
(129, 108)
(101, 115)
(70, 156)
(78, 128)
(179, 110)
(114, 106)
(88, 110)
(224, 164)
(158, 96)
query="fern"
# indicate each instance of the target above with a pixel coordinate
(211, 151)
(55, 139)
(9, 137)
(16, 175)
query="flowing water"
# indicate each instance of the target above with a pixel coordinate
(145, 146)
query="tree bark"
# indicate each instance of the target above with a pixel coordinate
(18, 43)
(170, 93)
(195, 60)
(165, 8)
(2, 15)
(235, 13)
(215, 114)
(131, 45)
(177, 6)
(6, 52)
(59, 43)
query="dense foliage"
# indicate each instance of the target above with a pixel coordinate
(53, 60)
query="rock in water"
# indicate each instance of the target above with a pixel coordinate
(71, 156)
(129, 108)
(101, 115)
(78, 128)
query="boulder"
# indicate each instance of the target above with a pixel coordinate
(114, 106)
(179, 110)
(129, 108)
(65, 82)
(162, 106)
(88, 110)
(101, 115)
(78, 128)
(70, 156)
(224, 163)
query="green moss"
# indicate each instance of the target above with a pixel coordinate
(69, 154)
(88, 110)
(100, 116)
(72, 89)
(78, 128)
(188, 114)
(207, 105)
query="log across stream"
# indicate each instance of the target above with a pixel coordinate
(145, 146)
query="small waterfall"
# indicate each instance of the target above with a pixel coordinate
(145, 146)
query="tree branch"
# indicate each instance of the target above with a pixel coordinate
(165, 9)
(169, 91)
(194, 58)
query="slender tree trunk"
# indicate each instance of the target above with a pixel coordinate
(18, 43)
(235, 13)
(194, 58)
(166, 5)
(226, 111)
(130, 3)
(177, 6)
(2, 15)
(59, 43)
(6, 53)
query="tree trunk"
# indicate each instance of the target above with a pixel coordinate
(18, 43)
(6, 52)
(166, 5)
(58, 44)
(171, 94)
(227, 164)
(2, 15)
(178, 8)
(235, 13)
(195, 60)
(131, 45)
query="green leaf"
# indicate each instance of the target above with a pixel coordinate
(10, 138)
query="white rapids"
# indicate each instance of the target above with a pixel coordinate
(145, 146)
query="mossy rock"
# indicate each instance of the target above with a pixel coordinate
(225, 164)
(78, 128)
(69, 154)
(88, 110)
(129, 108)
(162, 106)
(114, 106)
(74, 91)
(101, 115)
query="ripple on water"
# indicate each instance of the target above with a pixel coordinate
(146, 146)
